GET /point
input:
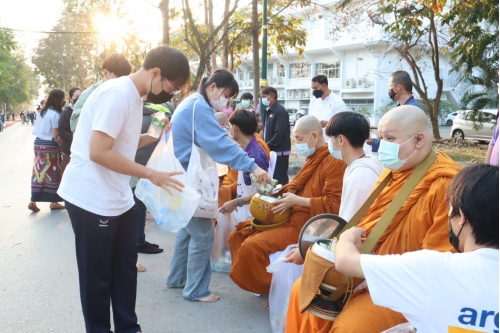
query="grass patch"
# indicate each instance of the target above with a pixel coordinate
(464, 154)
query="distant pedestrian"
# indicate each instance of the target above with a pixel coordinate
(46, 174)
(400, 89)
(65, 132)
(32, 117)
(247, 104)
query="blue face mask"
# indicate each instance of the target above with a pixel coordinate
(388, 154)
(304, 149)
(335, 153)
(265, 101)
(245, 103)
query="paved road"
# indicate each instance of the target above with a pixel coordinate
(38, 273)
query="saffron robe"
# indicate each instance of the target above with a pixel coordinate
(421, 223)
(319, 179)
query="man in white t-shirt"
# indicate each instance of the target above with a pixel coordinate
(435, 291)
(324, 104)
(95, 186)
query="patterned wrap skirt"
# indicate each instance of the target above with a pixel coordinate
(47, 172)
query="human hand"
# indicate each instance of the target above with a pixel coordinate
(289, 200)
(229, 206)
(369, 141)
(167, 125)
(262, 176)
(294, 257)
(323, 123)
(353, 235)
(361, 286)
(166, 181)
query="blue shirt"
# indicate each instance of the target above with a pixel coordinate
(208, 135)
(413, 101)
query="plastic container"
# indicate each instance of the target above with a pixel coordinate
(156, 124)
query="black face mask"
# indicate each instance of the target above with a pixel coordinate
(392, 94)
(162, 97)
(74, 101)
(454, 241)
(318, 93)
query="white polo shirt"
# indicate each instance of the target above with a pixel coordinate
(114, 108)
(324, 109)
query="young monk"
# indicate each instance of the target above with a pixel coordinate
(422, 221)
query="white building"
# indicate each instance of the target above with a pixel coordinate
(358, 65)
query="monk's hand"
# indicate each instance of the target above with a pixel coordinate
(294, 257)
(361, 286)
(229, 206)
(289, 200)
(353, 235)
(262, 176)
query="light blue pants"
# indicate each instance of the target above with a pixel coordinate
(190, 266)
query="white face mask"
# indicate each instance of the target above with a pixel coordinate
(221, 103)
(388, 154)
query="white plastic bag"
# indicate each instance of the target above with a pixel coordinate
(171, 212)
(401, 328)
(220, 259)
(202, 171)
(284, 276)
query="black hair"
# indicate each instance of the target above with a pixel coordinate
(72, 91)
(354, 126)
(223, 79)
(54, 101)
(173, 64)
(245, 120)
(268, 91)
(320, 78)
(402, 78)
(474, 190)
(117, 64)
(247, 95)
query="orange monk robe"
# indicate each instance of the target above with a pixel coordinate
(227, 187)
(421, 223)
(319, 179)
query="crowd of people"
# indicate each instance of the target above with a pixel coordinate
(92, 154)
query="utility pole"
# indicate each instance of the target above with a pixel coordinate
(263, 81)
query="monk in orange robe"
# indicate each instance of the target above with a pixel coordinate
(316, 189)
(421, 223)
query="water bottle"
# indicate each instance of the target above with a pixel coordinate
(156, 124)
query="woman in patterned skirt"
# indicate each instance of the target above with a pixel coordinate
(46, 174)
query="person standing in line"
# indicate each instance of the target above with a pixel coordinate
(46, 174)
(32, 117)
(400, 89)
(64, 128)
(277, 132)
(96, 186)
(324, 104)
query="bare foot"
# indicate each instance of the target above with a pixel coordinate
(266, 305)
(209, 299)
(140, 267)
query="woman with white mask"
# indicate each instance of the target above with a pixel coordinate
(190, 266)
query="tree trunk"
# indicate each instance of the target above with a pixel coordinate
(199, 74)
(213, 56)
(225, 39)
(165, 13)
(255, 51)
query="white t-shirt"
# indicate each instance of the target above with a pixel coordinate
(114, 108)
(358, 182)
(44, 125)
(438, 292)
(324, 109)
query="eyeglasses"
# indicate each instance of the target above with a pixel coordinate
(174, 92)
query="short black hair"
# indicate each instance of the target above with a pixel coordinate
(354, 126)
(245, 120)
(268, 91)
(474, 190)
(117, 64)
(173, 64)
(247, 95)
(320, 78)
(72, 91)
(402, 78)
(223, 79)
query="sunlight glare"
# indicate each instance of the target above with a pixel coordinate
(110, 28)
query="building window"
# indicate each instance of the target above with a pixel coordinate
(270, 68)
(330, 69)
(250, 73)
(300, 70)
(239, 75)
(281, 70)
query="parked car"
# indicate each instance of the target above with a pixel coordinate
(472, 125)
(448, 120)
(292, 116)
(302, 112)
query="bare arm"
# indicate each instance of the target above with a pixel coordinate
(102, 153)
(348, 253)
(488, 155)
(55, 133)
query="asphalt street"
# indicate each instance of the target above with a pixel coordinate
(38, 272)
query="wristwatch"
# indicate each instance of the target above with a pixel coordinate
(240, 202)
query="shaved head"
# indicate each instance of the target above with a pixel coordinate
(407, 126)
(309, 128)
(222, 118)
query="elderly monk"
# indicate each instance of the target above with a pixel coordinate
(421, 223)
(315, 189)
